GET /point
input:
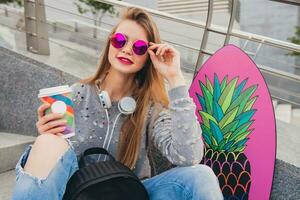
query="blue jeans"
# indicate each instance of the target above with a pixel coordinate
(184, 183)
(53, 187)
(181, 183)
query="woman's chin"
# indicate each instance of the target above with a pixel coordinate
(126, 69)
(123, 69)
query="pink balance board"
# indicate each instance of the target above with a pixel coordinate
(235, 111)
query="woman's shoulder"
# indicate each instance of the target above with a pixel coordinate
(80, 87)
(81, 90)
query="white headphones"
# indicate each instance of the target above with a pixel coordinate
(126, 106)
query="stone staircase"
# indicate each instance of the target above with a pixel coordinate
(286, 113)
(178, 7)
(18, 108)
(287, 174)
(11, 148)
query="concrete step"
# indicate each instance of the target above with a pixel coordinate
(283, 112)
(288, 142)
(196, 1)
(11, 148)
(188, 6)
(275, 103)
(296, 117)
(7, 182)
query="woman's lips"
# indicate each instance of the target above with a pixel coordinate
(125, 61)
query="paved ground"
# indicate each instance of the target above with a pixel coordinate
(7, 182)
(287, 182)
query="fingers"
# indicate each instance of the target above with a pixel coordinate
(41, 110)
(158, 52)
(57, 131)
(56, 126)
(50, 123)
(161, 49)
(158, 56)
(164, 50)
(50, 117)
(154, 46)
(153, 57)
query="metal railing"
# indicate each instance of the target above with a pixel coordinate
(34, 14)
(214, 28)
(229, 32)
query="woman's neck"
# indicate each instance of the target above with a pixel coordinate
(117, 84)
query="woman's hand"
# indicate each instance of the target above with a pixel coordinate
(50, 123)
(166, 60)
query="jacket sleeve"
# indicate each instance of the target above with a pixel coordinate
(176, 131)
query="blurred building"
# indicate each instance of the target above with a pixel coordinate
(272, 19)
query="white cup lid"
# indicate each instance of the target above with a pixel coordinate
(54, 91)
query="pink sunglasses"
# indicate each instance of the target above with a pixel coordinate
(139, 47)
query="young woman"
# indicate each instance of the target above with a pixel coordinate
(134, 63)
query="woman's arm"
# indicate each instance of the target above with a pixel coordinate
(176, 131)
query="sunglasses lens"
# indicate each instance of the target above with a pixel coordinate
(118, 40)
(140, 47)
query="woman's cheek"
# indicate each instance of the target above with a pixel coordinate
(141, 62)
(112, 54)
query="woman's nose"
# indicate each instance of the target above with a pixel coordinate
(127, 48)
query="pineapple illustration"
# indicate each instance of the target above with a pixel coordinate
(226, 119)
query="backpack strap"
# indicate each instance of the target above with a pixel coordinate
(91, 151)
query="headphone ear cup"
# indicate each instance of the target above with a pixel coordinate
(104, 99)
(127, 105)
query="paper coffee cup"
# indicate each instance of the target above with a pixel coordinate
(60, 99)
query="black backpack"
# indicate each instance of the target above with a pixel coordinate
(104, 180)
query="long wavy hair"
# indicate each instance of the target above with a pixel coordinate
(148, 88)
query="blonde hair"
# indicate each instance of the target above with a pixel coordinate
(150, 89)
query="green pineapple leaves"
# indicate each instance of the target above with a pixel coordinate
(227, 94)
(226, 113)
